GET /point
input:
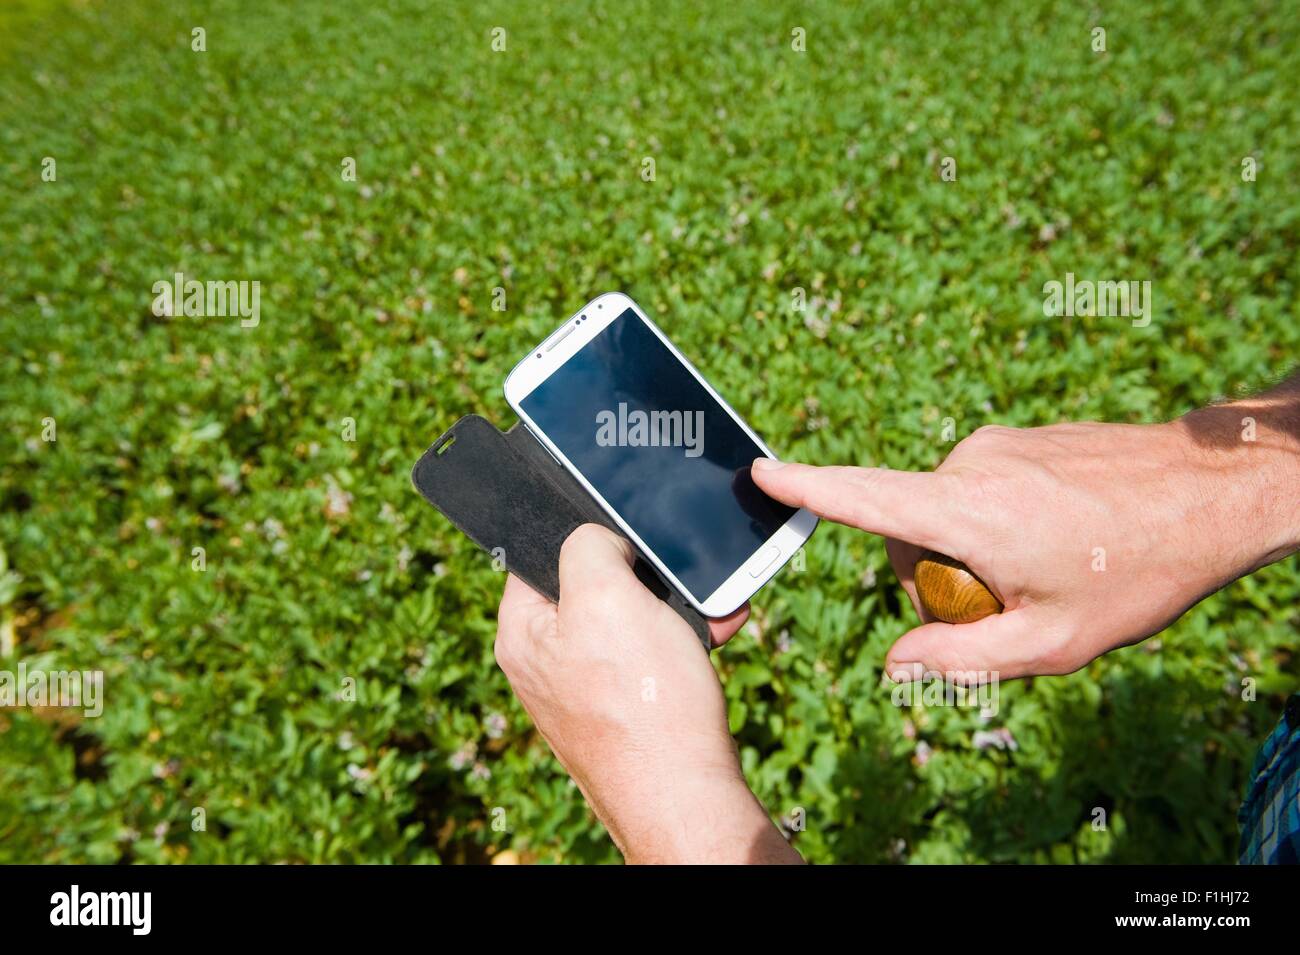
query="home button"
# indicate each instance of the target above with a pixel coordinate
(764, 560)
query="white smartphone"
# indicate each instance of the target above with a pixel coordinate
(628, 416)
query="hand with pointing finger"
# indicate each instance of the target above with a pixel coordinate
(1093, 536)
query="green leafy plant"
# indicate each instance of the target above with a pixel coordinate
(317, 682)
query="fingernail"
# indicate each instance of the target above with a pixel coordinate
(903, 672)
(767, 464)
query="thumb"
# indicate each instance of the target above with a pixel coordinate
(1004, 646)
(593, 558)
(919, 507)
(597, 564)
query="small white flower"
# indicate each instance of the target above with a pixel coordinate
(463, 756)
(338, 502)
(999, 738)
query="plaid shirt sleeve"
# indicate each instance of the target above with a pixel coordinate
(1270, 814)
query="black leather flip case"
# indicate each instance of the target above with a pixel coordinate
(505, 490)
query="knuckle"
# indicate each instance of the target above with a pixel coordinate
(853, 493)
(864, 479)
(981, 437)
(980, 491)
(980, 499)
(977, 438)
(506, 652)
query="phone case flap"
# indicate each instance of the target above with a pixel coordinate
(507, 493)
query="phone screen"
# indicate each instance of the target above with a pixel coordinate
(656, 445)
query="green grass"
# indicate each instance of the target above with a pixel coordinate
(521, 170)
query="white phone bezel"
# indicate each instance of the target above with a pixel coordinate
(566, 341)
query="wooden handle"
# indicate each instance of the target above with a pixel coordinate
(950, 592)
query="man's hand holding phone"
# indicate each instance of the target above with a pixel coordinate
(628, 701)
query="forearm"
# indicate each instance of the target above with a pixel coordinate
(1246, 456)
